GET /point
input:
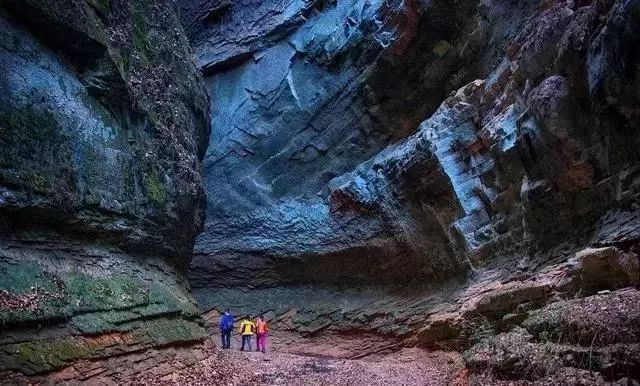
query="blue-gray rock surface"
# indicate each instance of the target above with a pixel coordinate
(368, 151)
(302, 92)
(103, 124)
(433, 173)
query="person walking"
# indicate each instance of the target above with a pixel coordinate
(247, 328)
(261, 334)
(226, 327)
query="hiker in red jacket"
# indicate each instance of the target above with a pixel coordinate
(261, 334)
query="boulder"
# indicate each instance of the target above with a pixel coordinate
(605, 268)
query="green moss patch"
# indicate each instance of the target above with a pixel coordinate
(102, 6)
(41, 356)
(162, 295)
(36, 357)
(116, 292)
(62, 295)
(442, 48)
(36, 153)
(120, 320)
(140, 32)
(31, 294)
(155, 189)
(168, 331)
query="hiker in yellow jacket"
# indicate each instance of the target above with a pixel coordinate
(247, 328)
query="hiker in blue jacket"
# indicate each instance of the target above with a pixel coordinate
(226, 326)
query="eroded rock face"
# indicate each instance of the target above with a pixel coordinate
(306, 92)
(103, 122)
(590, 341)
(334, 202)
(126, 119)
(459, 174)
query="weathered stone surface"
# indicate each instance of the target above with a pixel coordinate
(103, 122)
(442, 329)
(133, 369)
(350, 190)
(512, 355)
(591, 340)
(509, 173)
(120, 124)
(606, 268)
(599, 320)
(305, 91)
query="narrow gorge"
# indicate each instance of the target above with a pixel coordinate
(428, 192)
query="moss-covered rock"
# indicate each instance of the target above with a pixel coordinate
(36, 153)
(88, 309)
(108, 132)
(103, 123)
(512, 355)
(155, 189)
(167, 331)
(41, 356)
(599, 320)
(49, 295)
(597, 335)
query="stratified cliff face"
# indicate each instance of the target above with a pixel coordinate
(103, 122)
(346, 195)
(435, 173)
(305, 91)
(539, 154)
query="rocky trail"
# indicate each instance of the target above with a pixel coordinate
(405, 367)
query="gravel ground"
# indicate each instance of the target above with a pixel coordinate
(405, 367)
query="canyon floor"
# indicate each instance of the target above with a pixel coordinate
(408, 366)
(289, 366)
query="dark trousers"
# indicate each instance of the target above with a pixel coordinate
(226, 339)
(246, 339)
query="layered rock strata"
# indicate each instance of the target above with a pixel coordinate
(512, 176)
(307, 91)
(103, 122)
(349, 189)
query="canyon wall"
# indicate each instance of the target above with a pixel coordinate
(452, 174)
(324, 172)
(418, 168)
(306, 92)
(103, 123)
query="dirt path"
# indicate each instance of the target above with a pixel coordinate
(409, 366)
